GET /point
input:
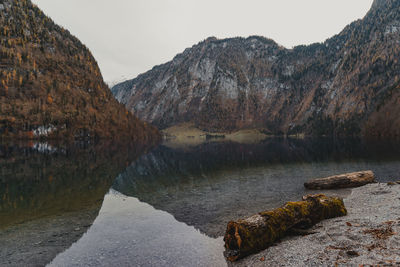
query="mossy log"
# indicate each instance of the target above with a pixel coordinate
(258, 232)
(354, 179)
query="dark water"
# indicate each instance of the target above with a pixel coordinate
(51, 194)
(105, 205)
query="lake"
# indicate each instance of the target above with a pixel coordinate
(102, 205)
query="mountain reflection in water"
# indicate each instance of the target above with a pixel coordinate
(208, 185)
(51, 194)
(133, 233)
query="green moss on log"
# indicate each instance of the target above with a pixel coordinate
(260, 231)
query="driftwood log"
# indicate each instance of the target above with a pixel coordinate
(258, 232)
(354, 179)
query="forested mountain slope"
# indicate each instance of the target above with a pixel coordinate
(50, 84)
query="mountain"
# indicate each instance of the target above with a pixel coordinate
(348, 85)
(51, 86)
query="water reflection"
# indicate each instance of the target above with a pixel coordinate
(208, 185)
(132, 233)
(175, 203)
(51, 193)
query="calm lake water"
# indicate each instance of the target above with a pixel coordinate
(104, 205)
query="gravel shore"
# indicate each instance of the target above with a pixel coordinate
(368, 235)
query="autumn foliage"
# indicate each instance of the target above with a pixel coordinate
(48, 77)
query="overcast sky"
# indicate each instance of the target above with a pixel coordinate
(129, 37)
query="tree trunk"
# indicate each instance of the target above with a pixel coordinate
(347, 180)
(258, 232)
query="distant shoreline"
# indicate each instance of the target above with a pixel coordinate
(186, 134)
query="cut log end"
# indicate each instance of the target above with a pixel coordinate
(260, 231)
(348, 180)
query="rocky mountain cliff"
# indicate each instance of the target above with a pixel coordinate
(348, 85)
(50, 84)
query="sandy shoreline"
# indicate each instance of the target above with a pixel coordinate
(368, 235)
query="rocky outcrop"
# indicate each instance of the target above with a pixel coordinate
(381, 3)
(344, 86)
(51, 86)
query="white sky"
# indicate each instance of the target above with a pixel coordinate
(129, 37)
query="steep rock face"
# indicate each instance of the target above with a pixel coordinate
(340, 87)
(381, 3)
(50, 84)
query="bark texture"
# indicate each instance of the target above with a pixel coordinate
(354, 179)
(258, 232)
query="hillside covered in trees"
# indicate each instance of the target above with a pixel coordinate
(51, 86)
(348, 85)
